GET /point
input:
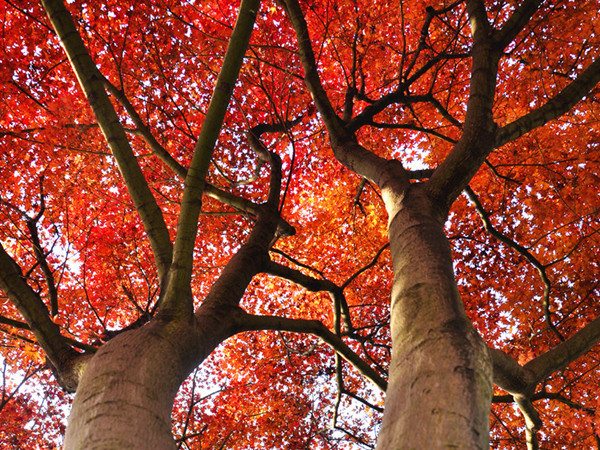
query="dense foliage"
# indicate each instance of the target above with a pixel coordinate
(524, 234)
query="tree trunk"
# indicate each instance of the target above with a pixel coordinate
(125, 397)
(440, 377)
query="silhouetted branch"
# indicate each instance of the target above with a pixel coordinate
(24, 326)
(364, 268)
(47, 333)
(144, 130)
(519, 19)
(8, 396)
(521, 250)
(344, 145)
(314, 327)
(341, 309)
(405, 126)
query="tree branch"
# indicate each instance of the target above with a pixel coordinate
(283, 228)
(314, 327)
(566, 352)
(43, 262)
(316, 285)
(225, 197)
(554, 108)
(532, 417)
(33, 310)
(485, 218)
(24, 326)
(8, 396)
(144, 130)
(344, 145)
(519, 19)
(40, 254)
(510, 375)
(521, 381)
(309, 63)
(367, 267)
(479, 129)
(295, 276)
(252, 258)
(177, 300)
(367, 115)
(114, 133)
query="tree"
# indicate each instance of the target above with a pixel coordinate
(446, 152)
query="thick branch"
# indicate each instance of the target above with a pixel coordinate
(554, 108)
(178, 298)
(251, 259)
(510, 375)
(33, 310)
(522, 380)
(532, 417)
(516, 23)
(114, 133)
(479, 129)
(315, 328)
(566, 352)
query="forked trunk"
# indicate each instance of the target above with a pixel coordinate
(440, 378)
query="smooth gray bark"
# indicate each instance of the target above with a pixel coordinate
(440, 386)
(125, 396)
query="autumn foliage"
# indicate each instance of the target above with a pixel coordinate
(524, 233)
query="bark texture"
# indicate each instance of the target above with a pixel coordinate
(431, 336)
(125, 396)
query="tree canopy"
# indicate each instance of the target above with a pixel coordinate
(265, 137)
